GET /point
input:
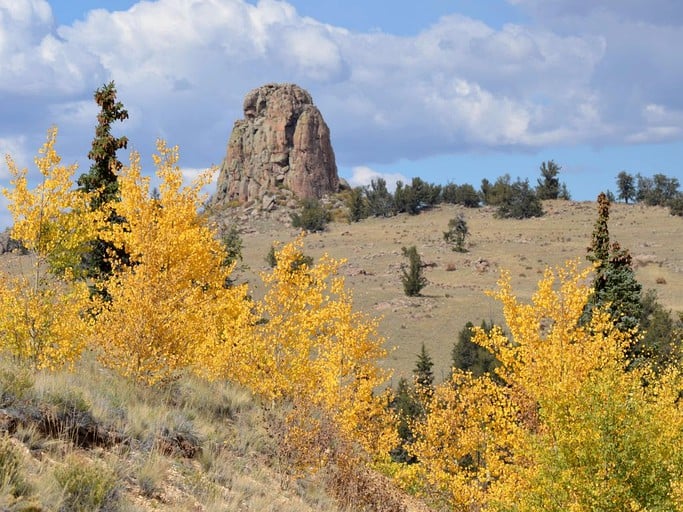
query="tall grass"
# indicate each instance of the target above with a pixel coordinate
(187, 445)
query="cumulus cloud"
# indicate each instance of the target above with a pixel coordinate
(362, 176)
(15, 148)
(580, 72)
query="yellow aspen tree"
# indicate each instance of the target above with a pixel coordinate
(312, 348)
(465, 442)
(573, 427)
(42, 317)
(169, 308)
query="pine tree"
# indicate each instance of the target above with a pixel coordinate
(549, 186)
(615, 285)
(413, 278)
(101, 181)
(424, 376)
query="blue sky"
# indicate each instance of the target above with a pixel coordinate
(448, 90)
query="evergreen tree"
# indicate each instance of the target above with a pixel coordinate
(424, 376)
(380, 200)
(549, 186)
(101, 180)
(471, 357)
(615, 285)
(598, 252)
(520, 201)
(498, 193)
(626, 187)
(405, 199)
(407, 408)
(357, 205)
(413, 277)
(457, 232)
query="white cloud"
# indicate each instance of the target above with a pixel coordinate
(362, 176)
(15, 148)
(585, 73)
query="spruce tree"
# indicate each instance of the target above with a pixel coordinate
(413, 278)
(101, 180)
(615, 285)
(424, 376)
(470, 357)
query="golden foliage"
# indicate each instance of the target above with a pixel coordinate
(169, 309)
(44, 325)
(53, 219)
(569, 429)
(43, 320)
(313, 348)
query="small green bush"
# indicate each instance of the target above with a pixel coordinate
(457, 232)
(313, 217)
(86, 486)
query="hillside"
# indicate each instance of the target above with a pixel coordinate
(458, 281)
(190, 445)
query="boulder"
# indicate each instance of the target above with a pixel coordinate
(282, 142)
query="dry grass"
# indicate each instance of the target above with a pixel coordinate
(233, 467)
(458, 281)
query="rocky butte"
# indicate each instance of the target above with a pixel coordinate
(282, 142)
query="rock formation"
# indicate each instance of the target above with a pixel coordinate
(282, 142)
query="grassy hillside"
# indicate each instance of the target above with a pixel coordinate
(86, 439)
(458, 281)
(89, 440)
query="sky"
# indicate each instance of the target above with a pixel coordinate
(447, 90)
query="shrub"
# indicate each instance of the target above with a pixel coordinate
(520, 202)
(357, 204)
(413, 278)
(86, 486)
(11, 476)
(676, 205)
(457, 232)
(313, 217)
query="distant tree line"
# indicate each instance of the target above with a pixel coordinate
(658, 190)
(513, 199)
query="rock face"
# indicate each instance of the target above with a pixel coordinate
(282, 141)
